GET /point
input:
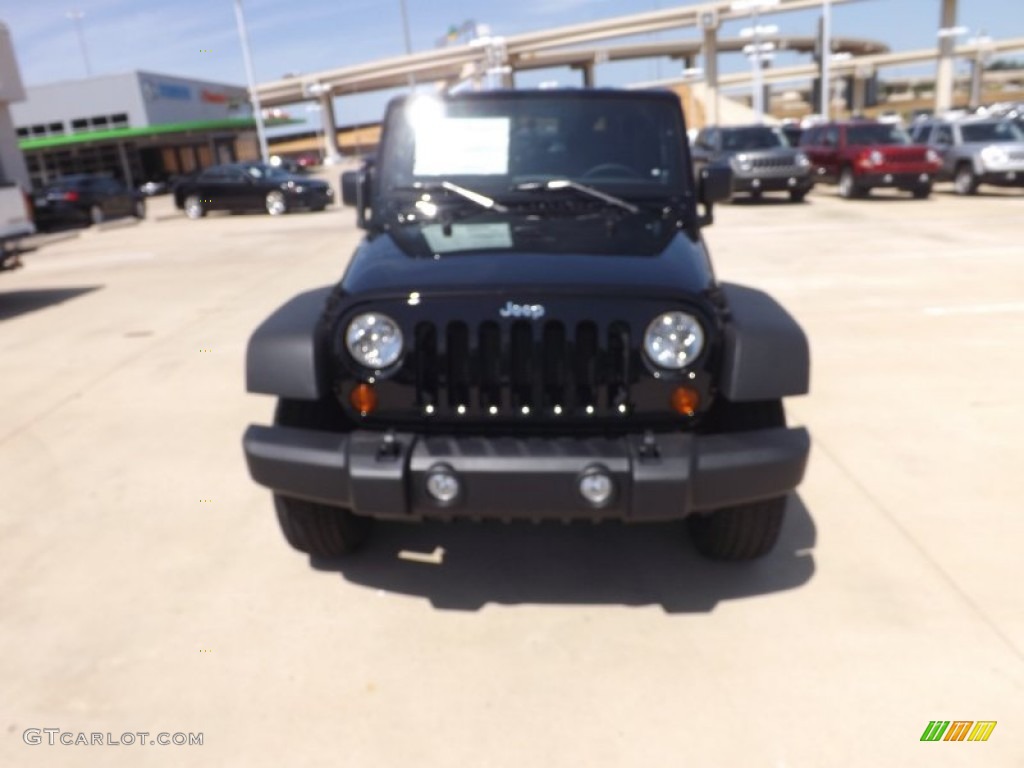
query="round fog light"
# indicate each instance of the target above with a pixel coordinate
(597, 487)
(443, 485)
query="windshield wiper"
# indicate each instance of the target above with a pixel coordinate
(482, 200)
(556, 184)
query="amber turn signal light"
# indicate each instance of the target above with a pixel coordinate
(685, 401)
(363, 398)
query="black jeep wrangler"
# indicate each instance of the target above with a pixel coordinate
(531, 328)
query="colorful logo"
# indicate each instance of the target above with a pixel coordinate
(958, 730)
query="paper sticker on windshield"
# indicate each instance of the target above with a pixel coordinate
(454, 146)
(468, 237)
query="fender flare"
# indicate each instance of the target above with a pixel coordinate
(284, 356)
(766, 355)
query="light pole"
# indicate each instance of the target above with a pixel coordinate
(257, 110)
(826, 53)
(755, 7)
(408, 39)
(76, 17)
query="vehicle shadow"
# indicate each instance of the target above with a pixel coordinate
(766, 201)
(14, 303)
(580, 564)
(996, 192)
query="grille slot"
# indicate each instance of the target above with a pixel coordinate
(458, 364)
(426, 364)
(523, 370)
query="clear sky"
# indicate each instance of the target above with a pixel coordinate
(173, 36)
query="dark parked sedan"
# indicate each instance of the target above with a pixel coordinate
(86, 198)
(250, 187)
(760, 158)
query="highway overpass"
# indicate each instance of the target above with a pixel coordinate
(552, 47)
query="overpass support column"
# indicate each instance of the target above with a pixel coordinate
(332, 156)
(859, 99)
(709, 52)
(588, 74)
(947, 44)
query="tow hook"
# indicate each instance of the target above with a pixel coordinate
(649, 448)
(388, 449)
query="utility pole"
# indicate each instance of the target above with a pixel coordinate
(826, 56)
(76, 17)
(408, 39)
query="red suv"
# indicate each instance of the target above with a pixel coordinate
(862, 154)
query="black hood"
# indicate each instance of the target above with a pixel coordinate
(555, 256)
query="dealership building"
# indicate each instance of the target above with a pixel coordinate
(137, 126)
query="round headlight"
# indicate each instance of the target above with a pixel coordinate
(994, 155)
(374, 340)
(674, 340)
(876, 157)
(802, 160)
(743, 162)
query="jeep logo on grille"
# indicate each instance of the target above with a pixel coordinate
(532, 311)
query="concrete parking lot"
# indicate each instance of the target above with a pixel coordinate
(146, 586)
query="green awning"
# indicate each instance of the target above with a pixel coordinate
(235, 123)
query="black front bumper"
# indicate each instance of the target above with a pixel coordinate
(798, 180)
(531, 478)
(899, 180)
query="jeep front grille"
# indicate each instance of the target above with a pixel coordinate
(523, 368)
(772, 162)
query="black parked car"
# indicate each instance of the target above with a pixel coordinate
(250, 187)
(531, 329)
(84, 199)
(760, 157)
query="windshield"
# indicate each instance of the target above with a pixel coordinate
(991, 132)
(266, 172)
(759, 137)
(873, 134)
(627, 144)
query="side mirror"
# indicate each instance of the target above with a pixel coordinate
(356, 192)
(714, 185)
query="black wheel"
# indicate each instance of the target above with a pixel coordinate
(797, 195)
(921, 191)
(848, 187)
(320, 529)
(756, 195)
(746, 531)
(965, 182)
(194, 207)
(318, 208)
(276, 203)
(311, 527)
(139, 209)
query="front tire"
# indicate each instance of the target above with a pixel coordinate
(276, 204)
(797, 195)
(848, 188)
(194, 207)
(745, 531)
(922, 191)
(319, 529)
(965, 182)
